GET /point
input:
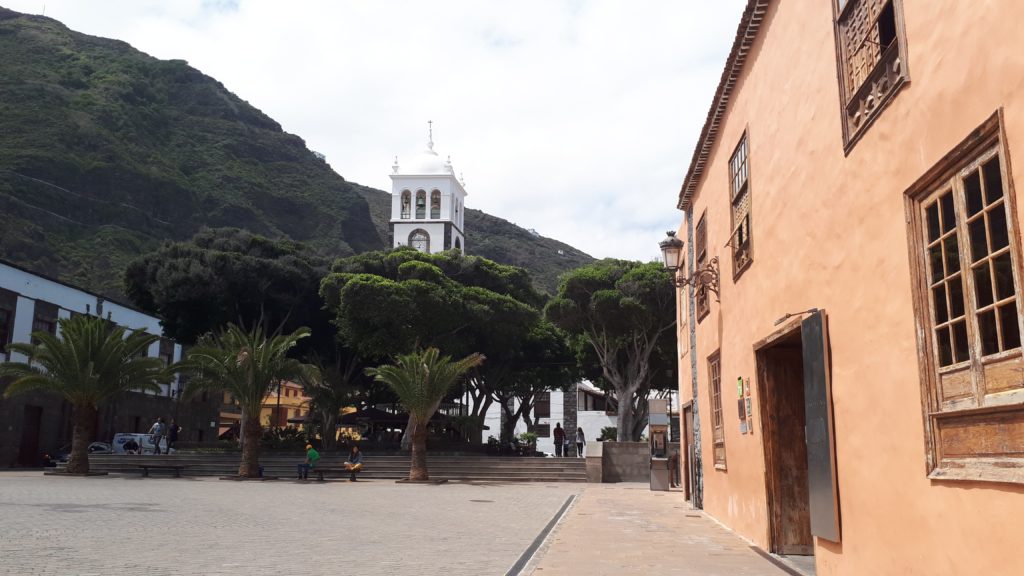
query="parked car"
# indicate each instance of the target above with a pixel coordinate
(95, 448)
(145, 442)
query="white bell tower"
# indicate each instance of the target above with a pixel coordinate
(427, 203)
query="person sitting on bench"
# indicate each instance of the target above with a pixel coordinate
(131, 446)
(312, 457)
(355, 462)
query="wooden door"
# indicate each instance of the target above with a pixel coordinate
(784, 372)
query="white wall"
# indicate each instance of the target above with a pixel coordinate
(68, 299)
(591, 421)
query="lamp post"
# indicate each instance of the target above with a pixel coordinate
(672, 255)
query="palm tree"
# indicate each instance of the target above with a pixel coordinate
(247, 364)
(421, 380)
(91, 361)
(330, 387)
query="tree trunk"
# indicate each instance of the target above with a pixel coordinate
(82, 420)
(624, 419)
(250, 465)
(330, 431)
(418, 463)
(480, 417)
(640, 417)
(410, 429)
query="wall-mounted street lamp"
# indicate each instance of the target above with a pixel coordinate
(672, 254)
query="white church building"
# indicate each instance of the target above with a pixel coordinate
(427, 203)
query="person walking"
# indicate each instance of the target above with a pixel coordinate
(157, 430)
(559, 434)
(354, 463)
(172, 434)
(581, 442)
(312, 457)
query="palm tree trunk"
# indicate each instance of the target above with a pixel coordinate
(410, 430)
(82, 420)
(250, 465)
(418, 463)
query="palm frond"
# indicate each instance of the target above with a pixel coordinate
(89, 362)
(422, 379)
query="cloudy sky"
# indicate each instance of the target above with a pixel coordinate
(573, 117)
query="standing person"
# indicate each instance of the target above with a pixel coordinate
(354, 463)
(157, 430)
(581, 441)
(559, 440)
(172, 434)
(312, 457)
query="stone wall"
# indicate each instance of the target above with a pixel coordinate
(625, 462)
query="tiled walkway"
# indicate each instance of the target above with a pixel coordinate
(616, 529)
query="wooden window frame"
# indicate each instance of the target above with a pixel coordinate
(45, 313)
(9, 308)
(861, 105)
(5, 335)
(717, 415)
(739, 194)
(702, 295)
(542, 403)
(955, 424)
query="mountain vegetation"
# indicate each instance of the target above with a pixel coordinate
(106, 153)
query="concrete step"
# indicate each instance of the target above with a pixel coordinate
(468, 468)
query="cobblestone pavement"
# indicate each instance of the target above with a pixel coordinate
(168, 527)
(615, 529)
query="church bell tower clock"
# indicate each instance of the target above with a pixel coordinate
(427, 203)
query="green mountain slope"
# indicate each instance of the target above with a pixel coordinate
(106, 152)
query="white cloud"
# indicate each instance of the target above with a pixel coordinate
(576, 118)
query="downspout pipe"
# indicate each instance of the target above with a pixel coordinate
(698, 469)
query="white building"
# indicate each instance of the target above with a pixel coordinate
(593, 413)
(30, 302)
(427, 203)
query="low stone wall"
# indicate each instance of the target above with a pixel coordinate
(594, 454)
(625, 462)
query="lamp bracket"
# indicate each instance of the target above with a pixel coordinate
(706, 276)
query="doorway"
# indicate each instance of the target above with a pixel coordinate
(28, 451)
(780, 369)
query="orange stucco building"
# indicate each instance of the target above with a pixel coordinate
(857, 173)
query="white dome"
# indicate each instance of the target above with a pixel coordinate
(426, 162)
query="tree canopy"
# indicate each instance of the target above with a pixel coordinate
(227, 275)
(388, 303)
(625, 312)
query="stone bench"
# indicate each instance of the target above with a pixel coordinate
(320, 471)
(176, 467)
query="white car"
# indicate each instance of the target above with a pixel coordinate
(94, 448)
(145, 442)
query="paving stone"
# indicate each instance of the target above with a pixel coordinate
(170, 527)
(616, 529)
